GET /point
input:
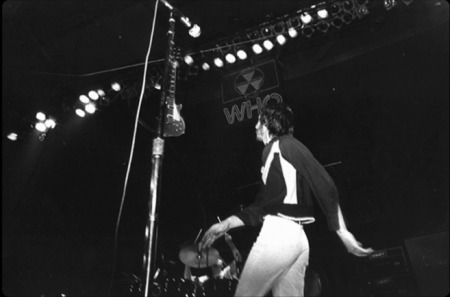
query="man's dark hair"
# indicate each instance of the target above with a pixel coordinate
(278, 117)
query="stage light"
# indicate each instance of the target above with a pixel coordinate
(337, 22)
(80, 113)
(40, 116)
(12, 136)
(347, 18)
(205, 66)
(101, 93)
(407, 2)
(281, 39)
(188, 60)
(93, 95)
(49, 123)
(279, 28)
(294, 22)
(348, 5)
(40, 127)
(268, 44)
(242, 55)
(322, 14)
(195, 31)
(292, 32)
(323, 26)
(89, 108)
(306, 18)
(266, 32)
(307, 31)
(335, 8)
(389, 4)
(230, 58)
(257, 49)
(84, 99)
(218, 62)
(115, 86)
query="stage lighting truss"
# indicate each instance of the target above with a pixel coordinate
(321, 17)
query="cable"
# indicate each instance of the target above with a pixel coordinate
(132, 147)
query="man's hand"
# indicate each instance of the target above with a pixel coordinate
(352, 245)
(215, 231)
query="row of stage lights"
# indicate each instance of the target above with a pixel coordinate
(264, 38)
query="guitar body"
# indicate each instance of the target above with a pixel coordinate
(174, 123)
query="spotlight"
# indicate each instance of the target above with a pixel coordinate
(307, 31)
(101, 93)
(323, 26)
(218, 62)
(322, 14)
(279, 28)
(266, 32)
(257, 49)
(12, 136)
(348, 5)
(93, 95)
(89, 108)
(292, 32)
(337, 22)
(268, 44)
(293, 22)
(242, 55)
(335, 8)
(40, 127)
(205, 66)
(188, 59)
(40, 116)
(115, 86)
(195, 31)
(230, 58)
(389, 4)
(306, 18)
(84, 99)
(49, 123)
(80, 113)
(347, 18)
(281, 39)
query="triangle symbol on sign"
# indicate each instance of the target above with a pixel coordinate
(256, 83)
(248, 76)
(243, 88)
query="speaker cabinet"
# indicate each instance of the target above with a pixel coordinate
(384, 273)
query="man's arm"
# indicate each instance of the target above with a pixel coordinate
(219, 229)
(351, 244)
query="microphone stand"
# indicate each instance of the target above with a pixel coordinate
(151, 230)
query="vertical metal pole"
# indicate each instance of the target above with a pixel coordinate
(151, 230)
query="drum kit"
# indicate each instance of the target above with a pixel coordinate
(221, 282)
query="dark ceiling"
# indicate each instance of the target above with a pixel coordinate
(371, 97)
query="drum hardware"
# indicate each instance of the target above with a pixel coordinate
(193, 257)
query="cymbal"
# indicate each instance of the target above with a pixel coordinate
(191, 256)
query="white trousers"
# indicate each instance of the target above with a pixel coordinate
(277, 260)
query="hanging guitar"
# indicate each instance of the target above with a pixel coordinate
(173, 122)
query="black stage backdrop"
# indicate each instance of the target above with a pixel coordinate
(378, 116)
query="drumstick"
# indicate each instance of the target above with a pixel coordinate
(198, 235)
